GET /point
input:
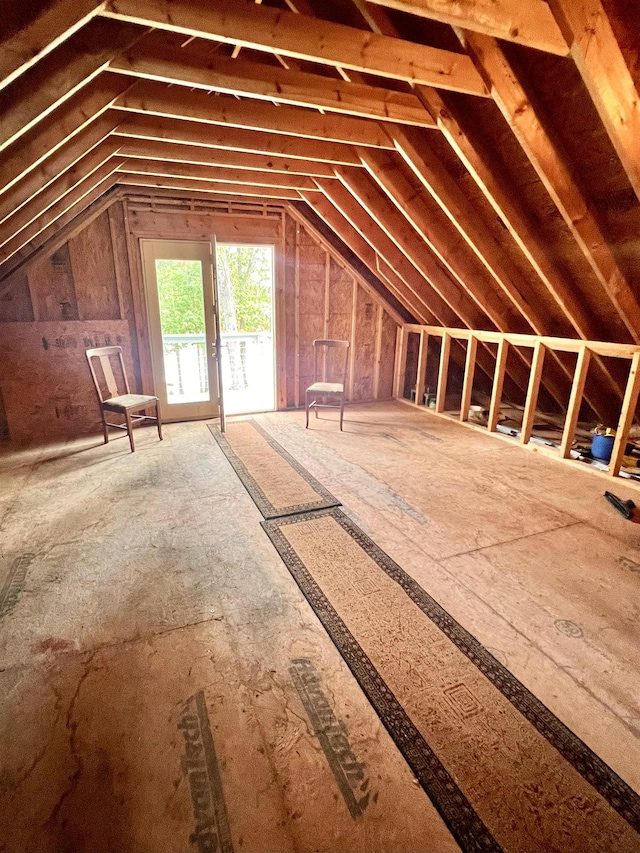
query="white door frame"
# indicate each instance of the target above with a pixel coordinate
(151, 250)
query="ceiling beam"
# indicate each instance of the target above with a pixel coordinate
(216, 174)
(97, 181)
(364, 237)
(57, 164)
(153, 98)
(63, 184)
(34, 95)
(552, 167)
(174, 152)
(606, 75)
(384, 212)
(445, 243)
(246, 24)
(69, 119)
(334, 219)
(216, 138)
(397, 312)
(57, 233)
(388, 261)
(446, 192)
(270, 83)
(490, 181)
(188, 184)
(530, 23)
(53, 24)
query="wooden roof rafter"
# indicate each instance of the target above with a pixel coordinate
(175, 152)
(59, 76)
(530, 23)
(243, 140)
(47, 29)
(606, 75)
(287, 34)
(215, 174)
(269, 83)
(552, 167)
(154, 98)
(334, 103)
(76, 114)
(18, 229)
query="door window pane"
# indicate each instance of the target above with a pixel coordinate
(181, 299)
(245, 292)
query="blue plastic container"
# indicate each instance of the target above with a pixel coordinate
(602, 446)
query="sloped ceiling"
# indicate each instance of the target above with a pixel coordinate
(481, 157)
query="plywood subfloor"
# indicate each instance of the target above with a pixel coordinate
(147, 581)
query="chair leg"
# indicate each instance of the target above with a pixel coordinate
(306, 408)
(159, 421)
(341, 411)
(105, 428)
(127, 416)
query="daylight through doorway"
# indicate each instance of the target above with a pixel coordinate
(245, 293)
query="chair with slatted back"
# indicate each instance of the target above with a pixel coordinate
(338, 369)
(127, 404)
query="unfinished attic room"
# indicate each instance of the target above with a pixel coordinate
(319, 426)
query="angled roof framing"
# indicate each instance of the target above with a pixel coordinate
(364, 123)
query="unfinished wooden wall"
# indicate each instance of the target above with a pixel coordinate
(323, 300)
(316, 297)
(88, 291)
(75, 297)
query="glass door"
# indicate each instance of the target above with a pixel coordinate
(245, 286)
(182, 327)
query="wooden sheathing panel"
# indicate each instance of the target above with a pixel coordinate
(152, 98)
(66, 157)
(77, 294)
(42, 32)
(4, 422)
(323, 299)
(52, 287)
(46, 384)
(59, 231)
(607, 74)
(84, 192)
(59, 76)
(386, 356)
(15, 303)
(421, 212)
(86, 108)
(338, 314)
(364, 346)
(151, 127)
(311, 306)
(91, 255)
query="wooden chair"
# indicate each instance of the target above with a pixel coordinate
(126, 404)
(331, 390)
